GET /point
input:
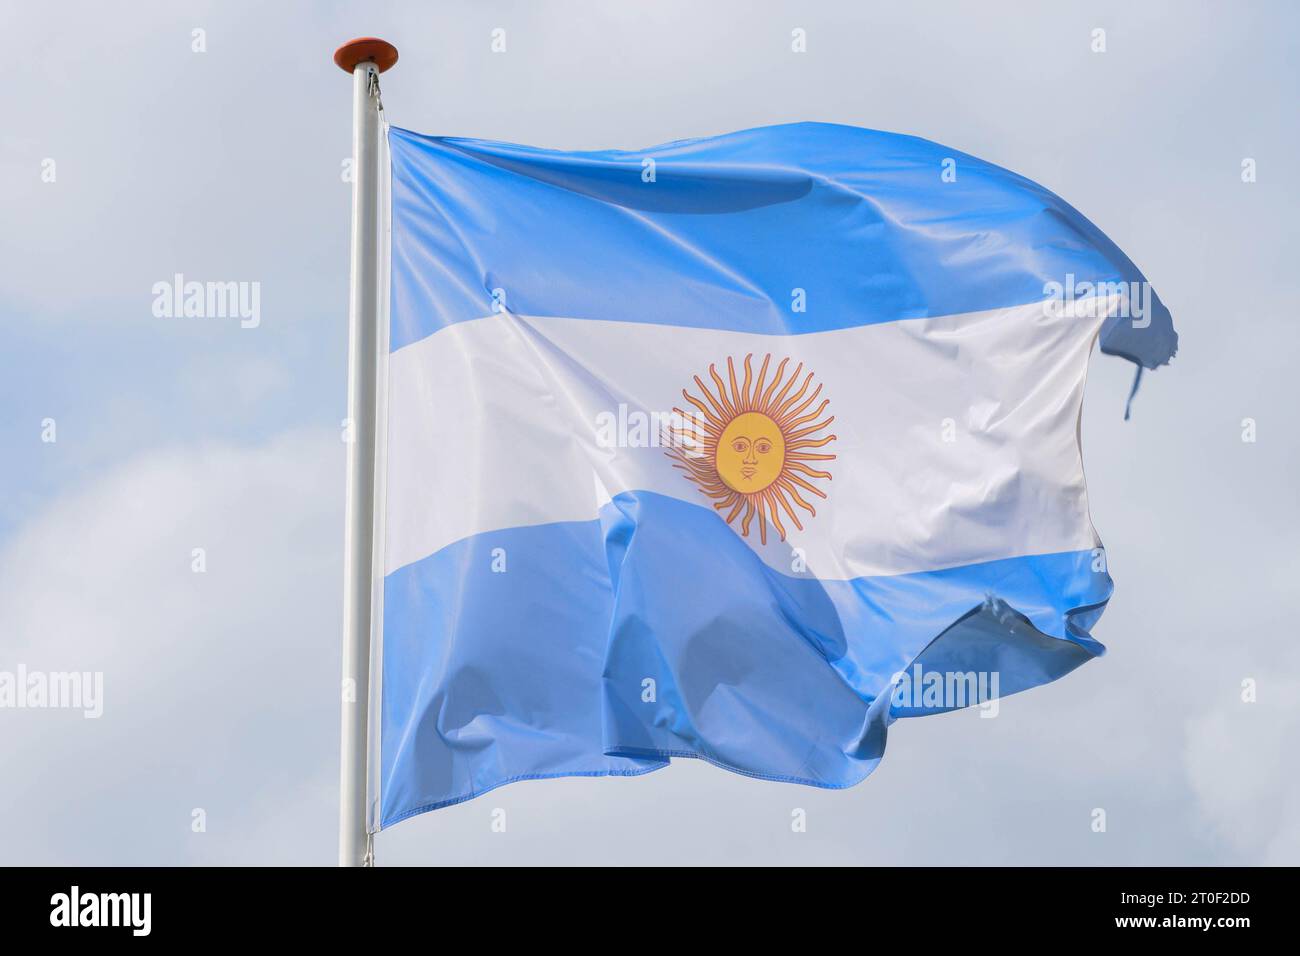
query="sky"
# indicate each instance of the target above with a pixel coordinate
(135, 148)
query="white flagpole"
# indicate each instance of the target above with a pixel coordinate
(365, 59)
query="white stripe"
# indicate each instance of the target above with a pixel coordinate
(493, 423)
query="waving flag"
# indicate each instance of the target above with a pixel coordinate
(724, 448)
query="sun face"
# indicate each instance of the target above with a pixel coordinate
(751, 453)
(748, 447)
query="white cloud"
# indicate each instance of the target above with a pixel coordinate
(1239, 763)
(220, 688)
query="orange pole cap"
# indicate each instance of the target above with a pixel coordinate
(380, 52)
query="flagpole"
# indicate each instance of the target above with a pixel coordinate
(365, 58)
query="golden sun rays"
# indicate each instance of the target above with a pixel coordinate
(748, 446)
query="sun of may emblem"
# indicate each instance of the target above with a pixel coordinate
(749, 446)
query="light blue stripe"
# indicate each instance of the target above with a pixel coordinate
(492, 676)
(861, 220)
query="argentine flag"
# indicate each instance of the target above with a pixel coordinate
(716, 449)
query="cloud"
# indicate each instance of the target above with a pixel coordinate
(220, 688)
(1238, 763)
